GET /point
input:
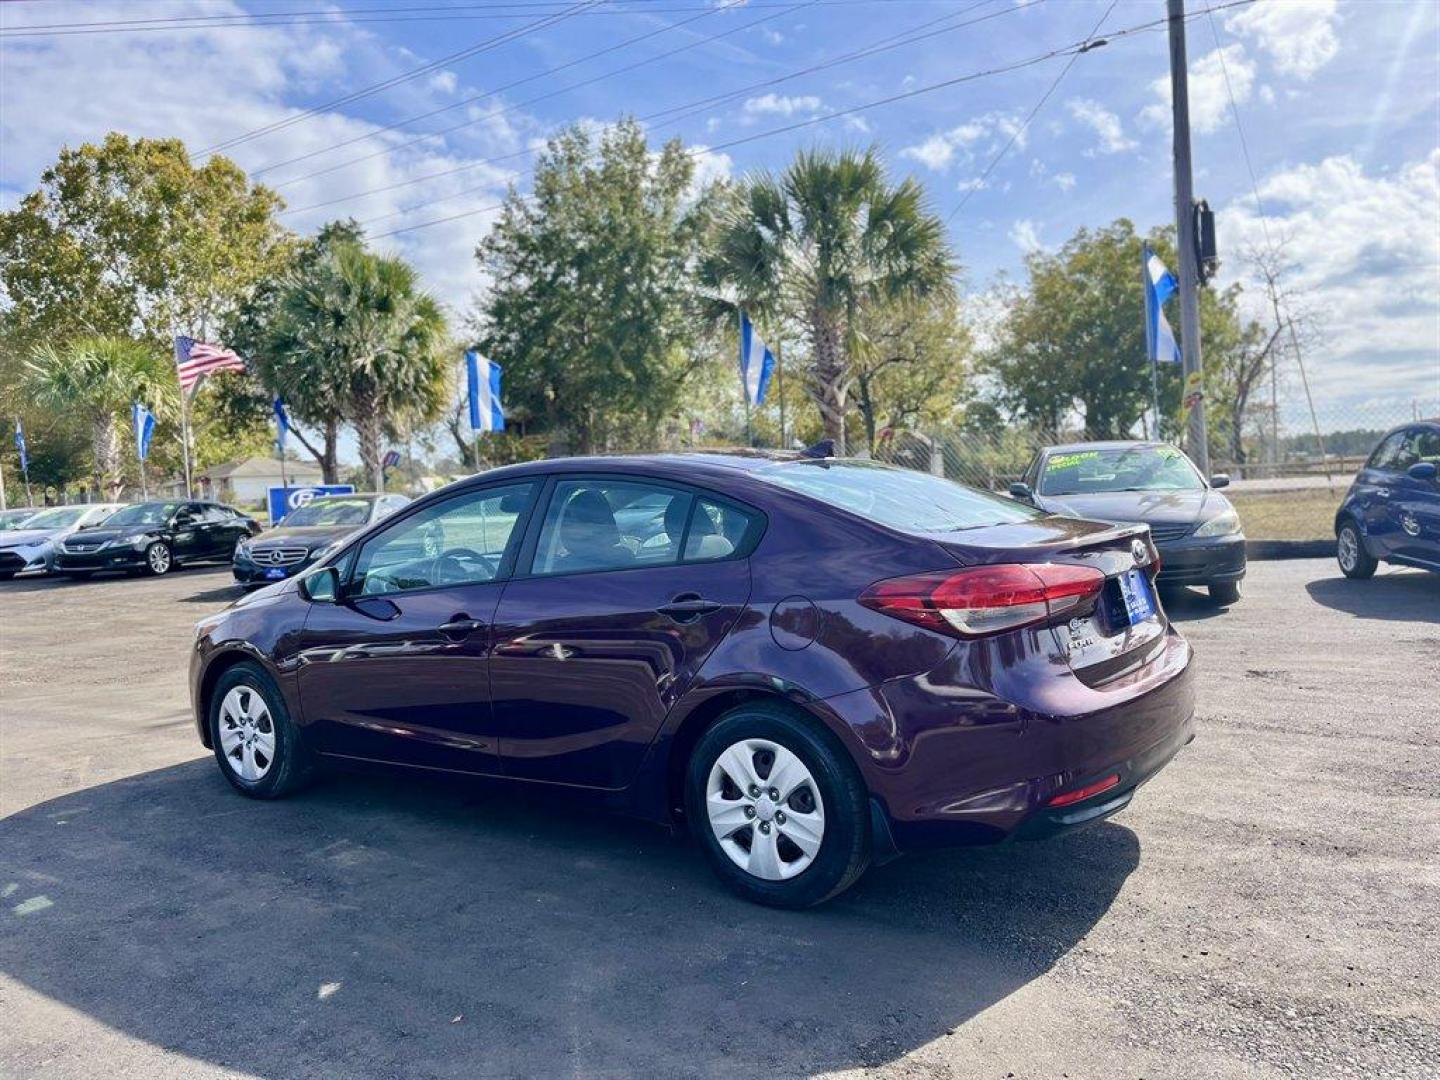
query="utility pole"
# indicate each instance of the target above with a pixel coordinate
(1195, 440)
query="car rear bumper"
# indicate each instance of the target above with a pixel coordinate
(951, 764)
(1202, 561)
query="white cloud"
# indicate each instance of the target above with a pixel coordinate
(1299, 35)
(48, 89)
(1103, 122)
(1365, 251)
(1025, 235)
(774, 37)
(444, 82)
(780, 105)
(1065, 181)
(983, 134)
(1209, 95)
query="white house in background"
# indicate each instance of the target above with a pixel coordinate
(248, 480)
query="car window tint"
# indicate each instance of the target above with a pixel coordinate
(1427, 445)
(1388, 453)
(610, 525)
(897, 498)
(461, 541)
(716, 531)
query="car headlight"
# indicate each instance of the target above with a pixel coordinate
(1224, 523)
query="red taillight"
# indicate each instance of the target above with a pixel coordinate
(983, 600)
(1085, 792)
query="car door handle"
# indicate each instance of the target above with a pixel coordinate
(460, 626)
(688, 607)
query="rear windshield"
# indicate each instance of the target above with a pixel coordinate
(897, 498)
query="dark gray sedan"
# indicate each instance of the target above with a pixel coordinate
(306, 533)
(1194, 527)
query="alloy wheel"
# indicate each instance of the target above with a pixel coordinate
(1348, 549)
(158, 558)
(765, 809)
(247, 733)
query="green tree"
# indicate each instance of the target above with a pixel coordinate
(314, 397)
(590, 307)
(97, 379)
(128, 238)
(828, 241)
(1075, 337)
(359, 325)
(911, 368)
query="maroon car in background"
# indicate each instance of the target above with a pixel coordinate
(814, 663)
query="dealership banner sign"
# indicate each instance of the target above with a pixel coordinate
(285, 499)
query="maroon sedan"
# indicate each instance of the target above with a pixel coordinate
(814, 663)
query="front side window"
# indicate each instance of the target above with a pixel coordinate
(1129, 468)
(1427, 445)
(461, 541)
(611, 525)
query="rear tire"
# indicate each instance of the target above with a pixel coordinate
(159, 559)
(825, 807)
(1225, 592)
(1355, 561)
(257, 745)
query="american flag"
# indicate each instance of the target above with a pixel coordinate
(196, 359)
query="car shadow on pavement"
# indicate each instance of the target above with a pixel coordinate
(382, 927)
(1190, 605)
(1405, 595)
(224, 594)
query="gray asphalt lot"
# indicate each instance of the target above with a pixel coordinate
(1268, 907)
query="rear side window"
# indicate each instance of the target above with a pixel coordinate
(1389, 454)
(606, 524)
(716, 531)
(896, 498)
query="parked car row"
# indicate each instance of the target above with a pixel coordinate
(158, 536)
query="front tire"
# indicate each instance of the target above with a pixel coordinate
(778, 807)
(1355, 561)
(1225, 592)
(159, 559)
(257, 745)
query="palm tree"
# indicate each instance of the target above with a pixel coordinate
(371, 341)
(97, 379)
(824, 242)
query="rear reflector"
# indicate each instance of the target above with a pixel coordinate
(982, 600)
(1085, 792)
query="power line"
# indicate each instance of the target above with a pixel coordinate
(686, 109)
(396, 80)
(727, 6)
(1075, 48)
(1090, 43)
(329, 18)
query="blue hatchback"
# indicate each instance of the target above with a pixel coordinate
(1392, 511)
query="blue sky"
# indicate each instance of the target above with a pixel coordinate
(1340, 103)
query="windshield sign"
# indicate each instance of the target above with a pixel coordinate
(1129, 468)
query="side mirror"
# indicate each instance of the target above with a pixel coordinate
(1021, 491)
(1422, 470)
(1220, 480)
(321, 586)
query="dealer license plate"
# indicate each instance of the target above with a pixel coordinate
(274, 573)
(1135, 592)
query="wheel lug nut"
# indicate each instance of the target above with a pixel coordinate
(780, 819)
(754, 792)
(764, 826)
(749, 811)
(775, 794)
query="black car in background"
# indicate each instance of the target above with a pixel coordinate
(306, 533)
(155, 537)
(1194, 527)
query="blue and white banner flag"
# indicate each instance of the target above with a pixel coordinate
(757, 362)
(486, 413)
(1160, 285)
(20, 446)
(282, 425)
(144, 421)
